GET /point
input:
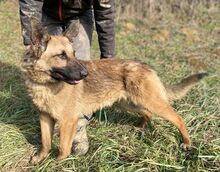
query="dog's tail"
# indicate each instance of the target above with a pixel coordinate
(179, 90)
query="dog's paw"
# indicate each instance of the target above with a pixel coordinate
(185, 147)
(61, 157)
(35, 160)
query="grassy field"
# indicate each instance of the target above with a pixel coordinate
(173, 48)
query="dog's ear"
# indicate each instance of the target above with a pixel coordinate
(72, 30)
(39, 34)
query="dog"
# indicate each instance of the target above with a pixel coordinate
(64, 88)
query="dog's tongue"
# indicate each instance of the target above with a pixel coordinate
(74, 82)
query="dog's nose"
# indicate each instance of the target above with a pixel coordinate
(83, 73)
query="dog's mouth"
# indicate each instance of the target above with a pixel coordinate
(74, 82)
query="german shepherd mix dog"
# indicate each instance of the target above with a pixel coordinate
(64, 88)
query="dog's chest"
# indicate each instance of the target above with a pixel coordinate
(44, 99)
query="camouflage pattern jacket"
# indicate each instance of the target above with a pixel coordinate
(62, 10)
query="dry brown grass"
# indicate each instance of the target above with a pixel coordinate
(114, 143)
(161, 9)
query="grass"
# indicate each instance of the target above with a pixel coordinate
(174, 49)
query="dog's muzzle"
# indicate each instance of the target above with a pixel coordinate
(69, 74)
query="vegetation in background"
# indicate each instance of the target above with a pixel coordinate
(176, 38)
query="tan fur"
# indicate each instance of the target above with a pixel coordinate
(133, 85)
(179, 90)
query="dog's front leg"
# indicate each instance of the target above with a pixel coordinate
(67, 132)
(47, 126)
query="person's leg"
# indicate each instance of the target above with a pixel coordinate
(54, 27)
(82, 42)
(80, 143)
(28, 9)
(81, 45)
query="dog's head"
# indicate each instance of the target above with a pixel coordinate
(51, 58)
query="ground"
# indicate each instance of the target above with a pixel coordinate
(174, 49)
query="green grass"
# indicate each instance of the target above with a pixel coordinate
(115, 144)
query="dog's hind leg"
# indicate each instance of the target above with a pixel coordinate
(165, 111)
(149, 93)
(155, 102)
(67, 132)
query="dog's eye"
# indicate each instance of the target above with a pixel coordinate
(62, 56)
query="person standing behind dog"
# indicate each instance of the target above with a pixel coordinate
(57, 15)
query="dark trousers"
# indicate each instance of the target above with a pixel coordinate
(82, 42)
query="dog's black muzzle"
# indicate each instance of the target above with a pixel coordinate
(70, 74)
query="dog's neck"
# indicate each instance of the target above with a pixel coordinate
(54, 88)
